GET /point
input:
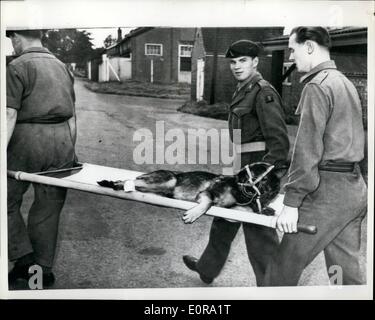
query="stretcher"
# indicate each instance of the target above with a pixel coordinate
(84, 177)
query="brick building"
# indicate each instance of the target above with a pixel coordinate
(212, 79)
(161, 55)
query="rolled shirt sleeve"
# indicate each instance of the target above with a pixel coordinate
(272, 122)
(304, 177)
(14, 87)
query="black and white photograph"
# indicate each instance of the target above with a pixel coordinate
(187, 150)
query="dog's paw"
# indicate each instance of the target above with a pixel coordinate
(106, 183)
(267, 211)
(115, 185)
(193, 214)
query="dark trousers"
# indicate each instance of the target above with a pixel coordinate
(40, 234)
(337, 208)
(261, 242)
(34, 148)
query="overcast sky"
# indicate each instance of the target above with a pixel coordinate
(40, 14)
(99, 34)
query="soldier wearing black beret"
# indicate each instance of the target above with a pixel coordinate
(243, 48)
(256, 110)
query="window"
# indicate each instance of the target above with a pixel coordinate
(185, 50)
(288, 80)
(152, 49)
(185, 57)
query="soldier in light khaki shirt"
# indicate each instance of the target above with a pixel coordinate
(325, 186)
(41, 128)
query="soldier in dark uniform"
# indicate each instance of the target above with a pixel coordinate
(41, 136)
(325, 185)
(256, 110)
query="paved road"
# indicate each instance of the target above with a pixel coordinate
(112, 243)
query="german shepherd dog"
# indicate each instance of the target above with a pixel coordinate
(255, 186)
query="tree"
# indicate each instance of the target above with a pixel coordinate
(69, 45)
(109, 41)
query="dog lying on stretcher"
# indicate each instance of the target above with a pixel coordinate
(255, 186)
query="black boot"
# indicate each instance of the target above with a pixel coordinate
(191, 263)
(19, 272)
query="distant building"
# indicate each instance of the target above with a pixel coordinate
(161, 55)
(212, 79)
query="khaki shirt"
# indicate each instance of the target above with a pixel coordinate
(257, 111)
(330, 128)
(39, 87)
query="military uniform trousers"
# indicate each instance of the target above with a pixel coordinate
(337, 208)
(34, 148)
(261, 242)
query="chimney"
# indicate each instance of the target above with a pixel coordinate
(119, 35)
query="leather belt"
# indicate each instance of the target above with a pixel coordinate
(45, 121)
(337, 166)
(250, 147)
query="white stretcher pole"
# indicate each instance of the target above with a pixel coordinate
(241, 216)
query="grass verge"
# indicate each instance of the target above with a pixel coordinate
(142, 89)
(203, 109)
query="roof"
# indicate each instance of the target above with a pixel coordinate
(339, 36)
(130, 35)
(134, 33)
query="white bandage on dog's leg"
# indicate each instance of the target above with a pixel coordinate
(129, 186)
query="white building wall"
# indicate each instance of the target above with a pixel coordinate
(115, 69)
(89, 70)
(123, 68)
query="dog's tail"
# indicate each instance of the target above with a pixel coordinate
(115, 185)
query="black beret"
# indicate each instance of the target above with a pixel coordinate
(243, 48)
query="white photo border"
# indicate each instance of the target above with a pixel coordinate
(40, 14)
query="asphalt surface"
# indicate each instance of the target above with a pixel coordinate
(110, 243)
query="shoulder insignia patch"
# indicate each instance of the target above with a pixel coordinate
(269, 99)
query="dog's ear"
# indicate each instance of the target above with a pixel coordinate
(281, 168)
(241, 176)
